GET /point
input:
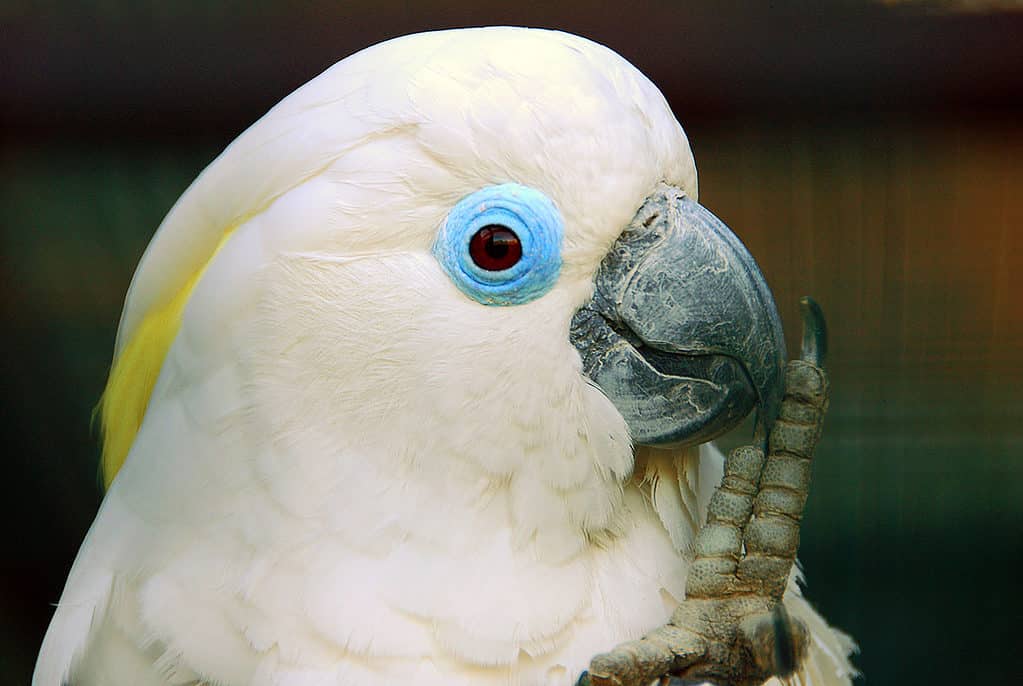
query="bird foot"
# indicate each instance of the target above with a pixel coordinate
(732, 628)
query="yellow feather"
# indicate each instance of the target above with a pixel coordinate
(134, 373)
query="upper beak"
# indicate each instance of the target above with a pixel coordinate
(682, 333)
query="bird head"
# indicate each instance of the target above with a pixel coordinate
(480, 244)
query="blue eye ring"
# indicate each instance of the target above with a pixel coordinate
(527, 213)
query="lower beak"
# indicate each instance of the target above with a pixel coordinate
(682, 333)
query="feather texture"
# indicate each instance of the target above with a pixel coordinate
(347, 472)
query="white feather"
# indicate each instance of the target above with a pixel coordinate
(348, 472)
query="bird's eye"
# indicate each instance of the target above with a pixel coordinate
(495, 247)
(502, 244)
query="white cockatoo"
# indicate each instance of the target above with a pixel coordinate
(396, 401)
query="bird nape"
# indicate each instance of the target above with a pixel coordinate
(416, 384)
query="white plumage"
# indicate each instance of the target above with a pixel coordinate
(349, 472)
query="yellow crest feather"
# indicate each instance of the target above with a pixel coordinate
(134, 373)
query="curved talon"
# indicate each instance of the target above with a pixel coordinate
(776, 641)
(814, 348)
(786, 642)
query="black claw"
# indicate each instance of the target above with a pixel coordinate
(784, 642)
(584, 679)
(815, 332)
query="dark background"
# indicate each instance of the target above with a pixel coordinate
(868, 154)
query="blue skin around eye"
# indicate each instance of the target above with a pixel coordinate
(533, 218)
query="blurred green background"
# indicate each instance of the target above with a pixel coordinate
(868, 154)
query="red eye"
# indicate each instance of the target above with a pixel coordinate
(495, 247)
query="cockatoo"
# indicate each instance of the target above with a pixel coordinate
(406, 392)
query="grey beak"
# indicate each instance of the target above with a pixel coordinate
(682, 333)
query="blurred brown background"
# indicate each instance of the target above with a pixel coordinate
(868, 154)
